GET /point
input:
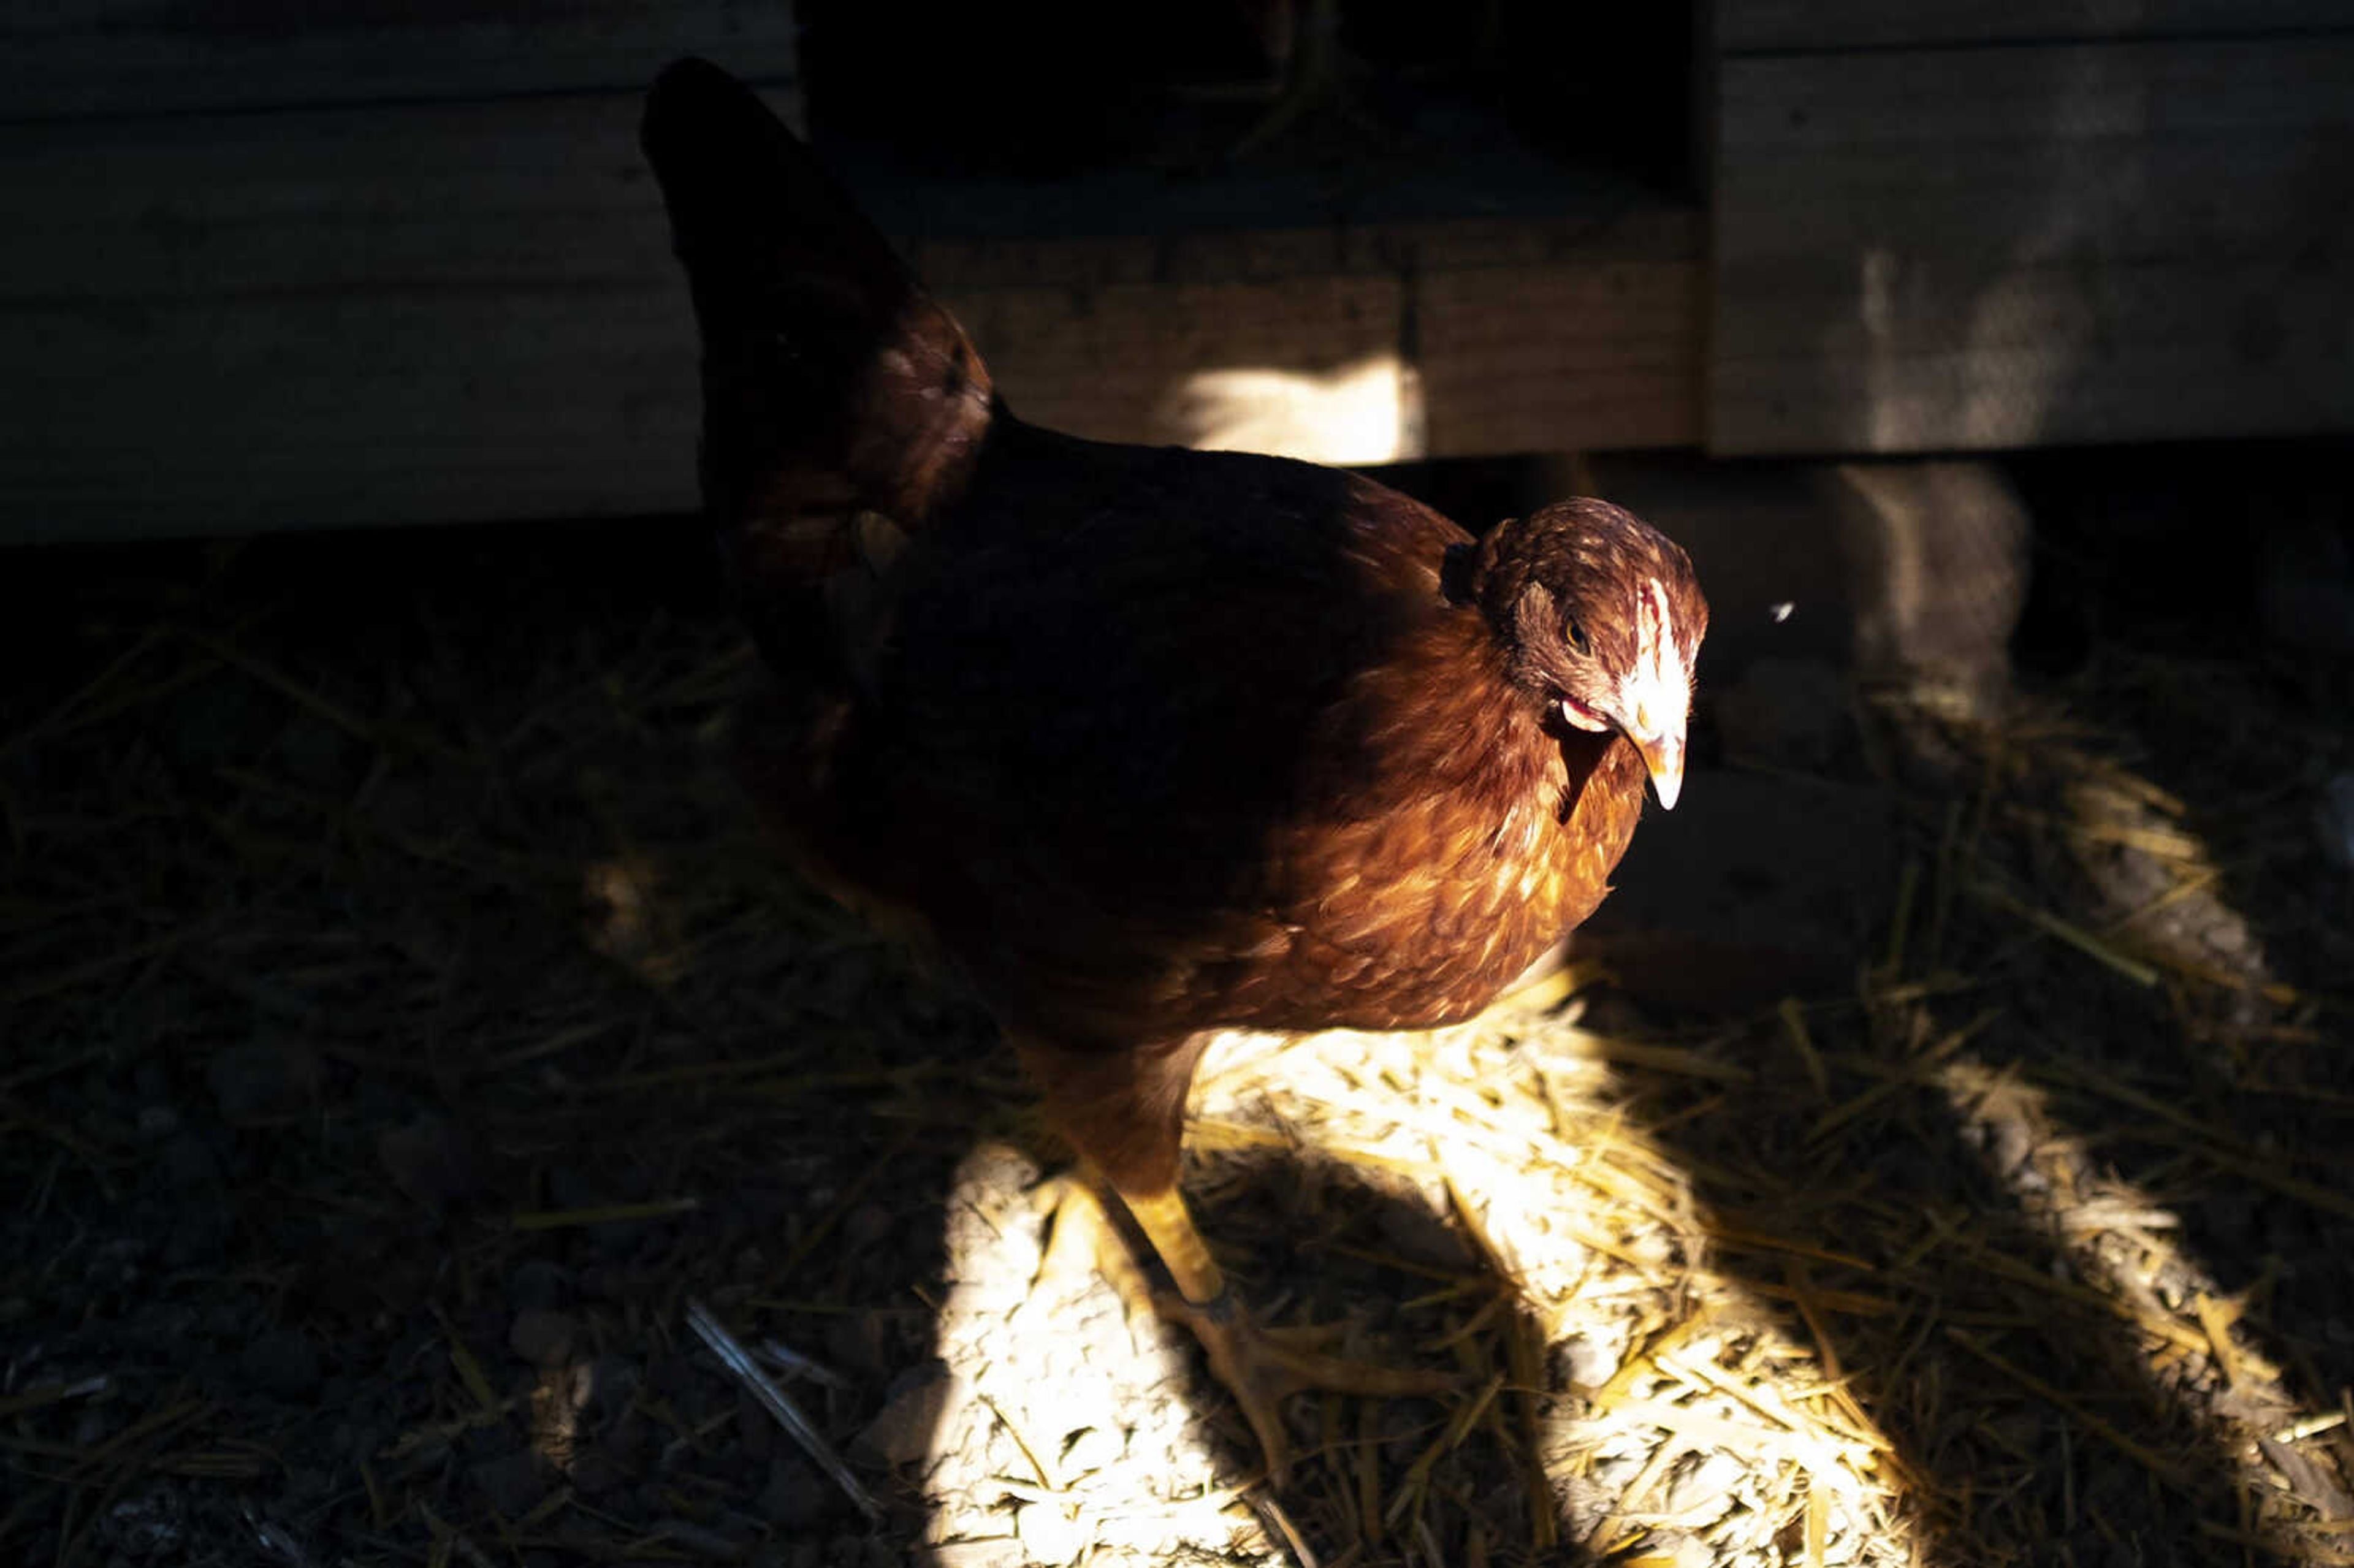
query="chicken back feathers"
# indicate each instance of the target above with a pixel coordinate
(1146, 741)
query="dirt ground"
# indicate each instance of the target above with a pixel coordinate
(405, 1024)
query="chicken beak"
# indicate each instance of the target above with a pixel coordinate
(1663, 755)
(1654, 700)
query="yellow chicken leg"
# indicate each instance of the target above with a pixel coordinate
(1261, 1367)
(1123, 1112)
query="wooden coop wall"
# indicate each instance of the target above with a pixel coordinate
(384, 264)
(1967, 224)
(379, 264)
(379, 270)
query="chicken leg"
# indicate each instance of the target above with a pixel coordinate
(1261, 1367)
(1119, 1111)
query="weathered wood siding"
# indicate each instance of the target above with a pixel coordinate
(1751, 26)
(395, 264)
(2008, 240)
(64, 58)
(370, 262)
(468, 310)
(288, 265)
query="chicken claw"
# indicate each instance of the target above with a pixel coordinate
(1084, 1240)
(1263, 1367)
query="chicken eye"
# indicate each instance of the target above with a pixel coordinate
(1577, 635)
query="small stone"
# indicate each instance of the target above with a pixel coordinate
(282, 1361)
(613, 1380)
(1616, 1472)
(997, 1552)
(1048, 1533)
(304, 1483)
(539, 1282)
(1418, 1234)
(1091, 1449)
(199, 1239)
(1692, 1552)
(541, 1338)
(150, 1524)
(902, 1433)
(1585, 1363)
(1000, 1171)
(1145, 1535)
(515, 1483)
(1703, 1494)
(158, 1121)
(867, 1224)
(596, 1471)
(431, 1160)
(1140, 1536)
(631, 1440)
(700, 1541)
(265, 1081)
(796, 1497)
(572, 1186)
(853, 1344)
(187, 1162)
(2333, 818)
(923, 1402)
(116, 1264)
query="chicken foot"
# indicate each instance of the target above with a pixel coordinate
(1261, 1367)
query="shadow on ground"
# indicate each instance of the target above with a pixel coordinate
(405, 1021)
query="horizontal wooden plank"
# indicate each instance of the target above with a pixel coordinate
(1563, 355)
(469, 311)
(350, 200)
(2032, 357)
(1627, 231)
(155, 56)
(1751, 26)
(229, 415)
(1308, 367)
(1866, 108)
(1986, 248)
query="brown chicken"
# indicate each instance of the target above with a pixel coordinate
(1143, 742)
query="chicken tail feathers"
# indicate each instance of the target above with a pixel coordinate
(833, 384)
